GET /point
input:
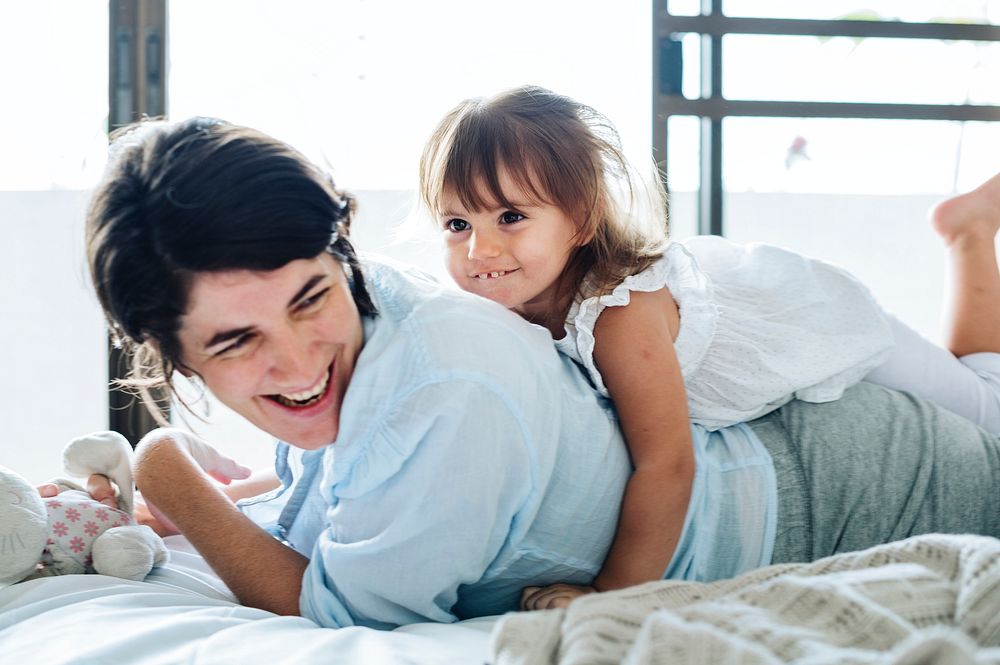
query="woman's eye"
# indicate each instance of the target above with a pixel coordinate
(238, 344)
(313, 300)
(456, 225)
(511, 217)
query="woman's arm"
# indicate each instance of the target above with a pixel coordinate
(146, 513)
(635, 354)
(261, 571)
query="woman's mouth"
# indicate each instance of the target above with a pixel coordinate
(305, 398)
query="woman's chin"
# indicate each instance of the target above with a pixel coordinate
(314, 441)
(307, 428)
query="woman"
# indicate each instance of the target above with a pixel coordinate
(436, 454)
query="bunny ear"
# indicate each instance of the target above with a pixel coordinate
(106, 452)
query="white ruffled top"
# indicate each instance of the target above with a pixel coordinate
(759, 326)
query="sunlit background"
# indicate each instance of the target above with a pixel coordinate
(357, 85)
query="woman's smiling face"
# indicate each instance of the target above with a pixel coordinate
(278, 347)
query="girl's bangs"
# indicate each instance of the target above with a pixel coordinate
(475, 164)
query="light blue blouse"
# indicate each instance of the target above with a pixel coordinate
(473, 460)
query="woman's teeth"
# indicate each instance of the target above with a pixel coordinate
(306, 397)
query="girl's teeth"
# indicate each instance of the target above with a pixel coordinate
(487, 275)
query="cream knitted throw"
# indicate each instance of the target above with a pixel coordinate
(928, 599)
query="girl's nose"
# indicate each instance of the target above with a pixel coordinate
(484, 246)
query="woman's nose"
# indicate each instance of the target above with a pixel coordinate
(484, 246)
(291, 361)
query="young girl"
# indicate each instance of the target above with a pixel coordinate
(540, 212)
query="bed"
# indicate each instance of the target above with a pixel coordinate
(928, 599)
(182, 613)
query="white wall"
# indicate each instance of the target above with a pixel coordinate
(53, 348)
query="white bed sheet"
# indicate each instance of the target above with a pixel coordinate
(183, 613)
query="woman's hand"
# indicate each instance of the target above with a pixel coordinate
(99, 487)
(47, 490)
(221, 468)
(102, 490)
(552, 596)
(146, 514)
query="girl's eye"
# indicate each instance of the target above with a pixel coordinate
(457, 225)
(511, 217)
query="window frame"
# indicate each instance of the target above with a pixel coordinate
(137, 88)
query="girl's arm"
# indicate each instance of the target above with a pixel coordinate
(634, 351)
(635, 354)
(261, 571)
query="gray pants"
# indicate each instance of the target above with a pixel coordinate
(876, 466)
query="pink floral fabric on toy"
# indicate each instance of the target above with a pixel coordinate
(75, 522)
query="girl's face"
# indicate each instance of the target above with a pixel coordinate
(513, 256)
(278, 347)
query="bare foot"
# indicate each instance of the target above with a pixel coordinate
(974, 216)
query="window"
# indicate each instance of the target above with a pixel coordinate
(829, 128)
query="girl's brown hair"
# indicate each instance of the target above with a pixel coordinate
(562, 153)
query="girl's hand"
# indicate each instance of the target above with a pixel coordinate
(553, 596)
(218, 466)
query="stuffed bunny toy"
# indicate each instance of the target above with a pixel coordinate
(71, 532)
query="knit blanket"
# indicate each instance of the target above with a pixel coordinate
(928, 599)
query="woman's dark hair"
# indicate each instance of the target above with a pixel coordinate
(196, 196)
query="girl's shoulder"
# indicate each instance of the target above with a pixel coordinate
(677, 271)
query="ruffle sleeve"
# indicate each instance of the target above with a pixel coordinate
(677, 270)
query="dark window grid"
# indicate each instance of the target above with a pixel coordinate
(712, 108)
(136, 89)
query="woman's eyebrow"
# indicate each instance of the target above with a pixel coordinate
(226, 335)
(306, 288)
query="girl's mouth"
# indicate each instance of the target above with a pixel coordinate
(493, 274)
